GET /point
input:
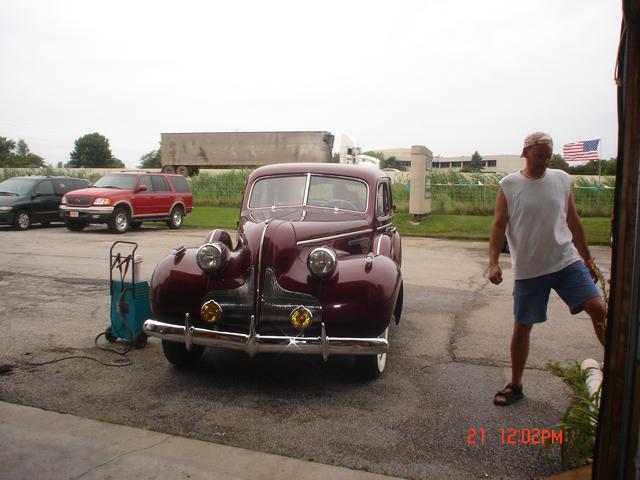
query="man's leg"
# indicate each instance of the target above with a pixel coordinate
(519, 354)
(519, 351)
(596, 310)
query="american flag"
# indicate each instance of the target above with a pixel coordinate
(581, 151)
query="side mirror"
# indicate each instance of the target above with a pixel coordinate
(141, 188)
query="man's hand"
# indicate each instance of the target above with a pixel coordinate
(495, 274)
(593, 269)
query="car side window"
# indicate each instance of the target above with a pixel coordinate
(44, 188)
(383, 200)
(160, 184)
(146, 181)
(180, 184)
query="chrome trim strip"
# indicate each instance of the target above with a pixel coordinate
(332, 237)
(253, 342)
(66, 208)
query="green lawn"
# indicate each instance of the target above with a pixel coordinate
(463, 227)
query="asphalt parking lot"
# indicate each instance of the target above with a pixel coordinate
(448, 356)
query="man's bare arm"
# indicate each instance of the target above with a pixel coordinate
(496, 240)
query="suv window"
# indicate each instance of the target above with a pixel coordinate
(64, 185)
(146, 181)
(160, 183)
(117, 180)
(180, 184)
(44, 188)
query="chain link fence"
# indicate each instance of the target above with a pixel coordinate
(451, 193)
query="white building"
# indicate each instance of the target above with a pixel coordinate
(491, 163)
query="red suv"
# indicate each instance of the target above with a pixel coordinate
(125, 200)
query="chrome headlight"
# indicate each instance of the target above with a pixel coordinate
(322, 261)
(212, 257)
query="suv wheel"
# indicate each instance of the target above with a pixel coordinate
(74, 225)
(175, 218)
(22, 220)
(120, 221)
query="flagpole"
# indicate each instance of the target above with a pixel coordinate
(599, 162)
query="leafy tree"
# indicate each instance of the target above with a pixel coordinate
(93, 151)
(558, 162)
(393, 162)
(150, 160)
(475, 165)
(6, 150)
(12, 155)
(335, 158)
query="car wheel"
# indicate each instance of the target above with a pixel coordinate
(177, 353)
(120, 221)
(74, 225)
(175, 218)
(22, 220)
(182, 170)
(168, 169)
(140, 340)
(371, 366)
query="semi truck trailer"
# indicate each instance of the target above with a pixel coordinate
(186, 153)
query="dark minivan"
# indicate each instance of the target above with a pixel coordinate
(34, 199)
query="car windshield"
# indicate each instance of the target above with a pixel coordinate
(324, 191)
(125, 182)
(17, 186)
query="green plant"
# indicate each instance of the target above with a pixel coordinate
(580, 421)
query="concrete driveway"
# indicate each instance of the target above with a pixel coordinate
(448, 356)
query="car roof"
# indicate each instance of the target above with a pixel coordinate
(43, 177)
(369, 174)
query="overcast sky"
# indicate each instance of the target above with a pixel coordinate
(455, 76)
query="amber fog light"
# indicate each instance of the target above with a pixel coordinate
(210, 311)
(301, 317)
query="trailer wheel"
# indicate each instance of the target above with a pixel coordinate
(178, 354)
(182, 170)
(168, 169)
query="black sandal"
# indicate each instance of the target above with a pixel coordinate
(511, 393)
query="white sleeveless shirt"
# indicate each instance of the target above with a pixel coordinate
(540, 241)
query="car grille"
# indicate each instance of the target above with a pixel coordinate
(236, 304)
(79, 201)
(277, 304)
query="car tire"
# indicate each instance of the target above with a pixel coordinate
(22, 220)
(168, 169)
(140, 340)
(178, 355)
(371, 366)
(120, 221)
(175, 218)
(182, 170)
(74, 225)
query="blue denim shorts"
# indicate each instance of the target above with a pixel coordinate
(531, 296)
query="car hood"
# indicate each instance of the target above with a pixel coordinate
(10, 199)
(95, 192)
(313, 223)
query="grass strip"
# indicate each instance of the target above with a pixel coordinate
(458, 227)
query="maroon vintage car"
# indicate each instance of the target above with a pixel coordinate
(315, 269)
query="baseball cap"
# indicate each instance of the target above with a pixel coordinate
(537, 138)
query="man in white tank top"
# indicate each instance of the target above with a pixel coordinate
(536, 211)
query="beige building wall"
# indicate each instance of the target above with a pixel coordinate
(493, 163)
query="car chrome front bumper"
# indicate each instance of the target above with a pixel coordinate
(253, 343)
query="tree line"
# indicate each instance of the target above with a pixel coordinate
(93, 151)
